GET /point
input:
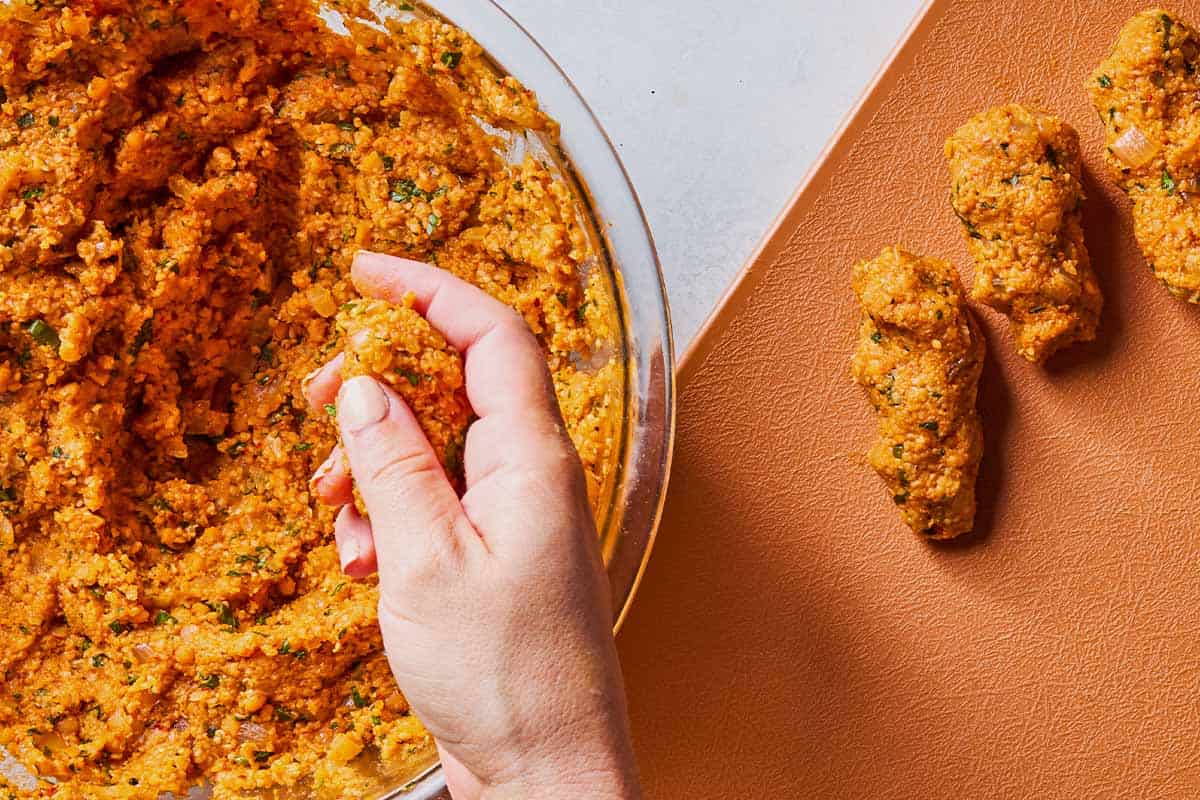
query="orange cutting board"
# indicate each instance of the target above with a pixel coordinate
(792, 639)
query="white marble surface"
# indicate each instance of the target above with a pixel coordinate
(718, 110)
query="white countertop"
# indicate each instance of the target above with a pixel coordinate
(718, 113)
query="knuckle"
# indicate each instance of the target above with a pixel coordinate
(400, 467)
(437, 560)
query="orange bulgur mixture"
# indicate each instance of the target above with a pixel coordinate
(396, 344)
(919, 359)
(1146, 93)
(183, 185)
(1018, 191)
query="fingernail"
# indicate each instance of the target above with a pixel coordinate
(347, 554)
(308, 379)
(322, 471)
(362, 403)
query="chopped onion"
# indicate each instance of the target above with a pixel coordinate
(143, 651)
(1134, 148)
(251, 732)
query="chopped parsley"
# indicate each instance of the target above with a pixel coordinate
(224, 614)
(25, 120)
(1105, 82)
(1168, 183)
(144, 334)
(452, 59)
(358, 700)
(972, 231)
(33, 192)
(432, 223)
(210, 681)
(331, 409)
(403, 190)
(43, 334)
(929, 426)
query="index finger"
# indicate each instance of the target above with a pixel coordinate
(505, 368)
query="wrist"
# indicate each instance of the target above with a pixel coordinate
(578, 773)
(569, 784)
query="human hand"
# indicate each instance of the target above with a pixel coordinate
(495, 610)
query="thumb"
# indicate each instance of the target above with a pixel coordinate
(416, 518)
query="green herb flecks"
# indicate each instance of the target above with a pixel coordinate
(144, 334)
(972, 231)
(224, 614)
(1105, 82)
(43, 334)
(1168, 183)
(452, 59)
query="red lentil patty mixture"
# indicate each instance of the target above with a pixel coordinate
(183, 185)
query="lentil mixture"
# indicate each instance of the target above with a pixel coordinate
(1018, 191)
(1147, 93)
(920, 355)
(183, 185)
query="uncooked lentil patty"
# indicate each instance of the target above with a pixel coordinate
(1146, 94)
(920, 356)
(1017, 188)
(183, 185)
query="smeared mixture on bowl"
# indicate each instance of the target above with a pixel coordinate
(182, 188)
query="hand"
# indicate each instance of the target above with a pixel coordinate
(495, 610)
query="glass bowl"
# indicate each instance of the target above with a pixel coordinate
(609, 210)
(587, 161)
